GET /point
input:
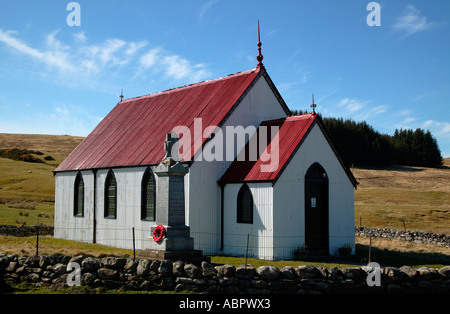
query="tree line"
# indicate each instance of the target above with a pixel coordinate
(359, 144)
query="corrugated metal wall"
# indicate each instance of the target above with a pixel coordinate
(66, 225)
(259, 233)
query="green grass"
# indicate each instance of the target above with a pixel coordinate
(30, 288)
(238, 261)
(28, 213)
(48, 245)
(24, 182)
(427, 211)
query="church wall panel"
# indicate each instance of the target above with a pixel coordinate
(203, 216)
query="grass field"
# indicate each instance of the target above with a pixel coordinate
(395, 197)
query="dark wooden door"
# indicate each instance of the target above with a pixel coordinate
(316, 210)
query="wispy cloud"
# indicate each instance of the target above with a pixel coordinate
(206, 7)
(438, 128)
(352, 105)
(84, 63)
(412, 21)
(356, 109)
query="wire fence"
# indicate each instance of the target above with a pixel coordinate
(241, 244)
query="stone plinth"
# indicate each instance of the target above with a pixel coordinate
(177, 238)
(170, 213)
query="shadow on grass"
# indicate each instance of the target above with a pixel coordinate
(386, 257)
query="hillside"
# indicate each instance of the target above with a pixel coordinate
(27, 190)
(417, 198)
(24, 181)
(398, 197)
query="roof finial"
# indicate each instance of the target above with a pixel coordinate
(260, 56)
(313, 106)
(121, 95)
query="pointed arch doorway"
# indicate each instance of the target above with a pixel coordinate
(316, 210)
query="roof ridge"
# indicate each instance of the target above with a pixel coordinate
(290, 118)
(201, 83)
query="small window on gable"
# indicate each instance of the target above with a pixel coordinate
(110, 196)
(148, 196)
(78, 203)
(245, 205)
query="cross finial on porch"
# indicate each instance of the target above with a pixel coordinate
(313, 106)
(121, 95)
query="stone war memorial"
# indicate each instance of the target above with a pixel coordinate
(171, 238)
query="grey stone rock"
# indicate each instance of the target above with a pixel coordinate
(445, 272)
(12, 267)
(113, 262)
(88, 279)
(60, 268)
(165, 268)
(287, 272)
(33, 277)
(268, 272)
(108, 273)
(22, 270)
(143, 267)
(307, 272)
(245, 272)
(335, 273)
(208, 270)
(354, 273)
(130, 266)
(178, 268)
(225, 270)
(191, 270)
(44, 261)
(32, 261)
(90, 264)
(409, 271)
(395, 274)
(154, 267)
(77, 259)
(65, 259)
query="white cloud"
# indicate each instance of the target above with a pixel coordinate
(352, 105)
(133, 47)
(206, 7)
(149, 59)
(180, 68)
(80, 37)
(378, 110)
(441, 129)
(87, 64)
(18, 45)
(412, 21)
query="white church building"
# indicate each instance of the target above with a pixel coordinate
(259, 180)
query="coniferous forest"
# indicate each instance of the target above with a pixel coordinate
(360, 145)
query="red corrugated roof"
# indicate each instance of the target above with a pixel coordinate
(133, 133)
(291, 131)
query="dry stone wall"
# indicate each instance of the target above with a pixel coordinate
(395, 234)
(144, 274)
(25, 231)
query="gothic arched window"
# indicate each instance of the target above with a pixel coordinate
(148, 196)
(110, 196)
(245, 205)
(78, 202)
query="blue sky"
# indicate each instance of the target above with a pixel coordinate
(61, 79)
